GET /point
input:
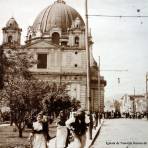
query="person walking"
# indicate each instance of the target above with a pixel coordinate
(78, 126)
(62, 131)
(96, 119)
(38, 136)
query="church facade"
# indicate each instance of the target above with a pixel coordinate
(57, 41)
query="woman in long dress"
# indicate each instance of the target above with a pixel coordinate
(62, 131)
(78, 126)
(38, 137)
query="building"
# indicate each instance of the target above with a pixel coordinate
(102, 96)
(109, 106)
(133, 103)
(57, 40)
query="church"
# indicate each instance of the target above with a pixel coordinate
(57, 41)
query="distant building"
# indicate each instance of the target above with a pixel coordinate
(57, 40)
(109, 106)
(103, 83)
(133, 103)
(117, 106)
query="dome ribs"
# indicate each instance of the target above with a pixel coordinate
(70, 15)
(67, 17)
(58, 15)
(45, 26)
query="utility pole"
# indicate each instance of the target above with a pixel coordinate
(99, 89)
(88, 70)
(146, 94)
(1, 68)
(134, 107)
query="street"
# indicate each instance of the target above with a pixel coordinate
(123, 133)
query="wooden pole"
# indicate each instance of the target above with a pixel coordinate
(88, 70)
(146, 94)
(134, 107)
(1, 68)
(99, 90)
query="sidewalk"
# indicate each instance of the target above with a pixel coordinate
(95, 132)
(52, 143)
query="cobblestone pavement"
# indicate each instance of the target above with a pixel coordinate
(123, 133)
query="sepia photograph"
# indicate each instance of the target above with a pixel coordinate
(73, 74)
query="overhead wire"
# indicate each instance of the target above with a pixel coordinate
(119, 16)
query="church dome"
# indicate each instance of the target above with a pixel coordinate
(58, 15)
(12, 23)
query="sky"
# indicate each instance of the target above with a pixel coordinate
(121, 43)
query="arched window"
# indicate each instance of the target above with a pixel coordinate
(10, 39)
(55, 38)
(76, 40)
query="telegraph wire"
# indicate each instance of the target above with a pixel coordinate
(119, 16)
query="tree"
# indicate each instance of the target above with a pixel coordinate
(16, 79)
(16, 64)
(26, 95)
(56, 99)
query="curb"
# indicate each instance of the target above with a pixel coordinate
(96, 135)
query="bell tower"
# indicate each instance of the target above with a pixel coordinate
(11, 34)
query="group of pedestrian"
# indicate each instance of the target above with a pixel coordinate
(136, 115)
(70, 133)
(130, 115)
(112, 114)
